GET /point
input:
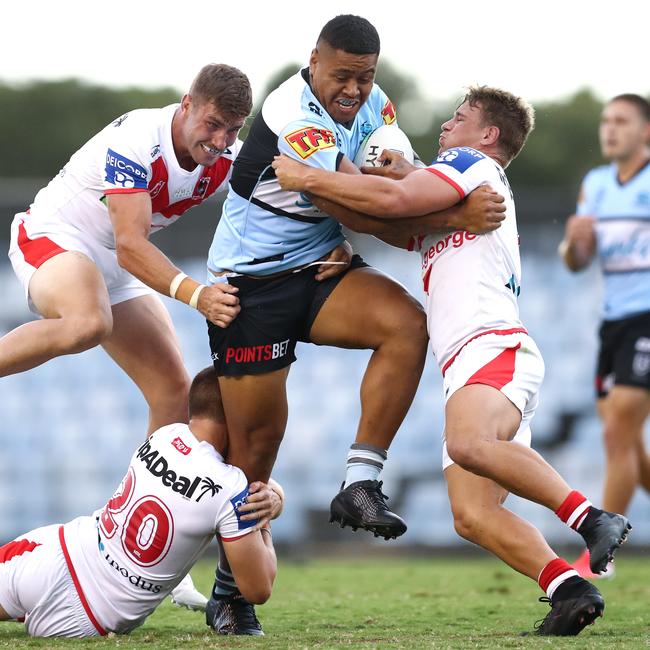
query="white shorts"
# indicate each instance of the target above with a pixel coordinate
(36, 586)
(34, 241)
(510, 363)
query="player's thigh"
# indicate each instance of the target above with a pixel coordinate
(69, 284)
(479, 412)
(364, 309)
(144, 344)
(255, 402)
(625, 407)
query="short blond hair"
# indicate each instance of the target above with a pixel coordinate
(514, 116)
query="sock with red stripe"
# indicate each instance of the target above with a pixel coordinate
(554, 574)
(574, 509)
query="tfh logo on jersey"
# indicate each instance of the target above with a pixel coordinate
(388, 112)
(124, 173)
(158, 465)
(309, 140)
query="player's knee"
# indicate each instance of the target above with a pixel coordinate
(618, 439)
(87, 331)
(466, 454)
(468, 522)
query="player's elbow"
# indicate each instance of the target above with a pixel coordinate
(126, 251)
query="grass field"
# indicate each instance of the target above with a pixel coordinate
(392, 603)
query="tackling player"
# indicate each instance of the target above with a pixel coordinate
(492, 368)
(612, 224)
(269, 244)
(107, 572)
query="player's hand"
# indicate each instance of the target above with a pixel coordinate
(579, 244)
(290, 173)
(482, 211)
(394, 166)
(262, 503)
(335, 262)
(580, 230)
(219, 304)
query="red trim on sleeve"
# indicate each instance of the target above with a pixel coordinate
(126, 190)
(77, 585)
(444, 177)
(234, 539)
(514, 330)
(36, 251)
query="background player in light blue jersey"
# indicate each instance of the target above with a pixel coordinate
(612, 224)
(275, 247)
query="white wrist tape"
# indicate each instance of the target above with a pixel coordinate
(175, 283)
(194, 300)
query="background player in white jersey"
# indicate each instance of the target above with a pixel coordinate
(492, 369)
(83, 255)
(270, 243)
(107, 572)
(612, 224)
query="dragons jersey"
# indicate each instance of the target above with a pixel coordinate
(176, 495)
(471, 281)
(622, 212)
(134, 153)
(264, 229)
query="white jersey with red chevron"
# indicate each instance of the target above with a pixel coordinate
(176, 495)
(471, 281)
(135, 153)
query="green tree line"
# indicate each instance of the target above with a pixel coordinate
(43, 123)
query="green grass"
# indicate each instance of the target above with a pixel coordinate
(392, 603)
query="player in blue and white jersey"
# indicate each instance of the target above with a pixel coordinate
(612, 224)
(283, 254)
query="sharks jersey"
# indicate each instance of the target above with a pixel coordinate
(622, 213)
(264, 229)
(176, 495)
(471, 281)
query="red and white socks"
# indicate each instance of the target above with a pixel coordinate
(574, 509)
(554, 574)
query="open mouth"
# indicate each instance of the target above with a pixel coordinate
(347, 104)
(212, 151)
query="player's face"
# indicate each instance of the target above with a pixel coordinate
(207, 133)
(464, 129)
(341, 81)
(623, 131)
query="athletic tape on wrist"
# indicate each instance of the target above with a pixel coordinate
(194, 300)
(175, 283)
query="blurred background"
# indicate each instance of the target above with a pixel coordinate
(69, 427)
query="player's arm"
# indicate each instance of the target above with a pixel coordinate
(253, 564)
(482, 211)
(578, 247)
(131, 218)
(419, 193)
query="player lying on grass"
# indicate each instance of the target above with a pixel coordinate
(492, 368)
(107, 572)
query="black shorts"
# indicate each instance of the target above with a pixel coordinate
(624, 357)
(275, 314)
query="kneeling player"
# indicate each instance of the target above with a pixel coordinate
(492, 369)
(107, 572)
